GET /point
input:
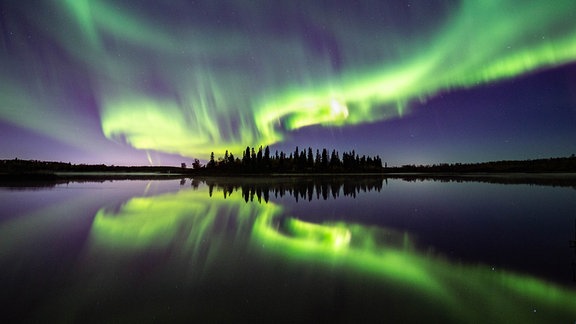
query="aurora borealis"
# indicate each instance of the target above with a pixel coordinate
(138, 82)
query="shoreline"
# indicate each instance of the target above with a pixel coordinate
(561, 179)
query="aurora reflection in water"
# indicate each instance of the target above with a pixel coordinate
(160, 250)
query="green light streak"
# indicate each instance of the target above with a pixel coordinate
(195, 85)
(345, 245)
(139, 223)
(186, 222)
(467, 51)
(480, 44)
(333, 237)
(18, 107)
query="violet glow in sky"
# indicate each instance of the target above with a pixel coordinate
(139, 82)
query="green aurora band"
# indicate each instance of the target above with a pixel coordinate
(197, 231)
(187, 86)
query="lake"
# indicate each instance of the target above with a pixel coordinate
(288, 249)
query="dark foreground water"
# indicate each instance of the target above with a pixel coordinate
(288, 250)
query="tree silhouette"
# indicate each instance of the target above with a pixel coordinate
(266, 159)
(324, 163)
(299, 161)
(196, 165)
(211, 163)
(310, 159)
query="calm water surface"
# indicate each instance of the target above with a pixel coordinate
(288, 250)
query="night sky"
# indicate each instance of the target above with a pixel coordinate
(163, 82)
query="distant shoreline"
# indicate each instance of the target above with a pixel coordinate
(52, 179)
(553, 170)
(272, 166)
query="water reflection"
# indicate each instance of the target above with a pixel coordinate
(301, 188)
(226, 238)
(540, 179)
(209, 251)
(573, 242)
(573, 246)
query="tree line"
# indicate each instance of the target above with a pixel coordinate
(18, 166)
(561, 164)
(299, 161)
